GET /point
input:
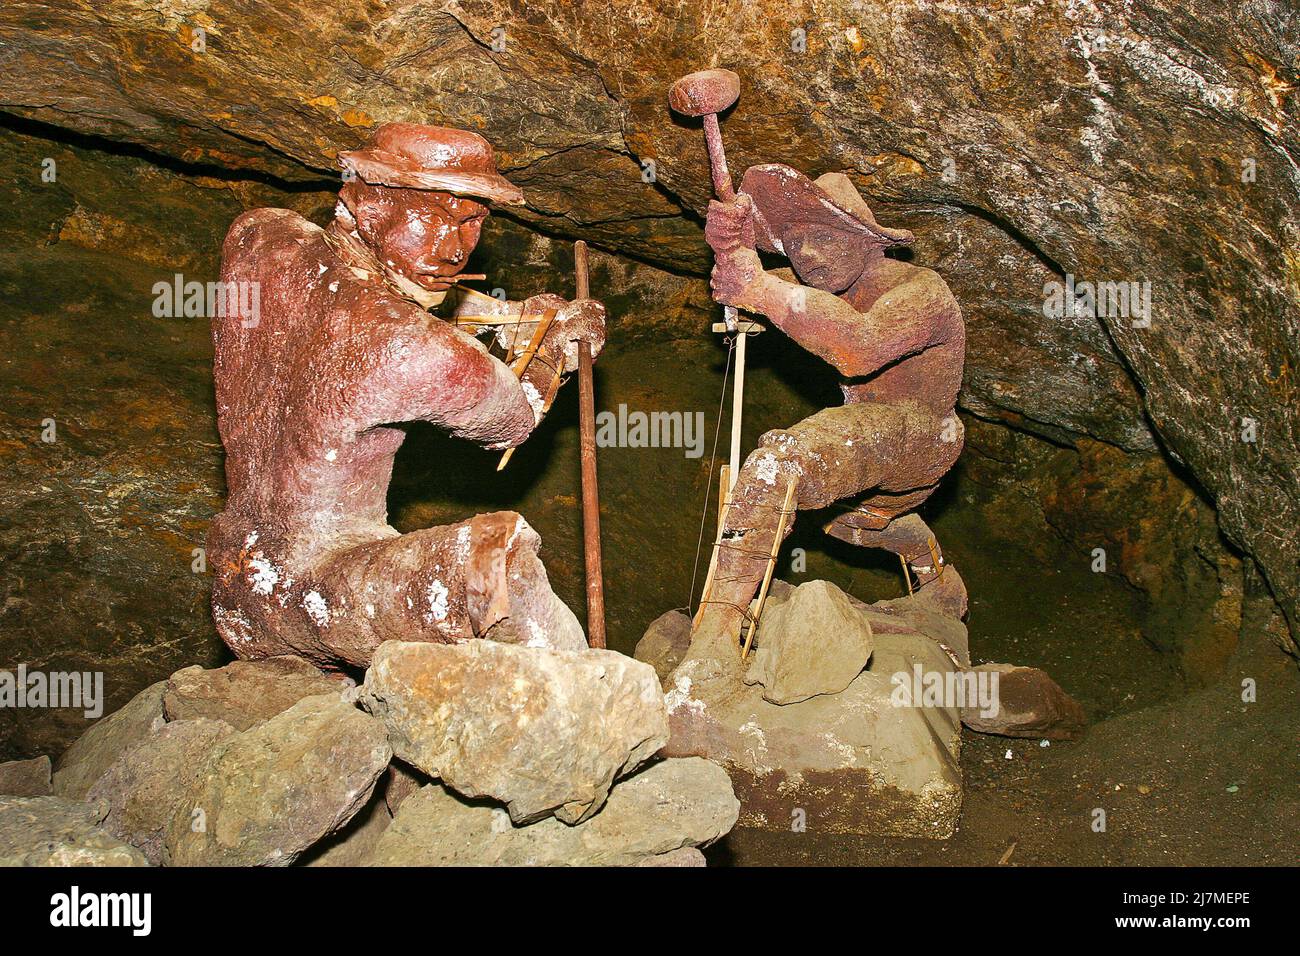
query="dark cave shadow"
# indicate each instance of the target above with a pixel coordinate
(432, 465)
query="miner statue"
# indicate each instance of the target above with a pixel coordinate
(309, 395)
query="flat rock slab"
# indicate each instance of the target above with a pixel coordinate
(814, 642)
(540, 730)
(1029, 704)
(52, 831)
(151, 783)
(271, 792)
(99, 748)
(26, 778)
(852, 762)
(668, 805)
(244, 693)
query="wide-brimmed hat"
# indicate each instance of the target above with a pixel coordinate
(415, 156)
(783, 195)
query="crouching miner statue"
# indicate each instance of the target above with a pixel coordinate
(309, 389)
(894, 333)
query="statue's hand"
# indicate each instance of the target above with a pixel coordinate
(582, 320)
(730, 225)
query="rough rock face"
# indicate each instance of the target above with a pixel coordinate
(26, 778)
(814, 642)
(244, 693)
(538, 729)
(150, 784)
(103, 744)
(1031, 704)
(400, 782)
(852, 762)
(98, 528)
(669, 805)
(269, 793)
(51, 831)
(1062, 114)
(1156, 531)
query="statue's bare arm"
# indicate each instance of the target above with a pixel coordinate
(855, 343)
(432, 371)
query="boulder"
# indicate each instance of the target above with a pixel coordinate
(26, 778)
(666, 806)
(151, 783)
(244, 693)
(1030, 704)
(52, 831)
(541, 730)
(814, 642)
(860, 761)
(271, 792)
(99, 748)
(665, 642)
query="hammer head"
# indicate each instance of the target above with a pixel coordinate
(708, 91)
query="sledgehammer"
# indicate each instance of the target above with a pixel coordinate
(706, 94)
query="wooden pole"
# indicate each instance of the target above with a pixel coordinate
(771, 565)
(724, 505)
(737, 406)
(551, 392)
(590, 493)
(521, 366)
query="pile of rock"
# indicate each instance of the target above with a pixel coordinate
(504, 755)
(823, 727)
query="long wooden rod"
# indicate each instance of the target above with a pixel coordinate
(590, 492)
(786, 513)
(737, 406)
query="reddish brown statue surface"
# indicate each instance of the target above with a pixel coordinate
(892, 330)
(309, 389)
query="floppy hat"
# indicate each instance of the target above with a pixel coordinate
(783, 195)
(415, 156)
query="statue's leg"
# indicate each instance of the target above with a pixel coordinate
(909, 537)
(832, 454)
(920, 449)
(477, 578)
(747, 537)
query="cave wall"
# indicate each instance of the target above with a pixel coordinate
(1145, 141)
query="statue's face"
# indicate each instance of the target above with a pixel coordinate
(423, 235)
(825, 257)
